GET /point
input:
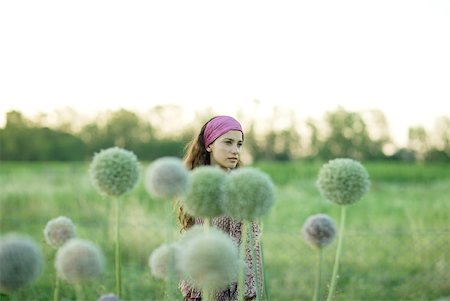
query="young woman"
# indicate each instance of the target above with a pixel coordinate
(219, 143)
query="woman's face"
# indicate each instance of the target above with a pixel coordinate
(225, 150)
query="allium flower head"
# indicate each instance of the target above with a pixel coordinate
(210, 260)
(161, 259)
(58, 231)
(192, 232)
(167, 177)
(78, 261)
(343, 181)
(21, 262)
(108, 297)
(319, 230)
(114, 171)
(248, 194)
(205, 193)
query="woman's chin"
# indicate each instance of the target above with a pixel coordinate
(232, 166)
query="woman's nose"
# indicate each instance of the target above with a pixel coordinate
(235, 149)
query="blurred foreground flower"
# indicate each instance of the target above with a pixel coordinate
(21, 262)
(248, 194)
(166, 177)
(58, 231)
(205, 194)
(114, 171)
(210, 260)
(79, 261)
(164, 261)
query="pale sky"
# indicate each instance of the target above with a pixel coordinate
(308, 56)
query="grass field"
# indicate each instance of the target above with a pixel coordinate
(397, 243)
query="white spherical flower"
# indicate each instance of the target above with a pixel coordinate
(248, 194)
(210, 260)
(21, 262)
(58, 231)
(78, 261)
(163, 259)
(343, 181)
(114, 171)
(191, 233)
(319, 230)
(108, 297)
(205, 193)
(167, 177)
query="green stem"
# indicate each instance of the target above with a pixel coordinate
(171, 279)
(117, 251)
(318, 275)
(206, 223)
(241, 278)
(254, 263)
(79, 292)
(56, 291)
(263, 271)
(338, 254)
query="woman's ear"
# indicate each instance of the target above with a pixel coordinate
(208, 149)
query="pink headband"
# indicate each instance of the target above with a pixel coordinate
(218, 126)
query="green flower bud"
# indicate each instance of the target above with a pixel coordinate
(343, 181)
(167, 177)
(114, 171)
(248, 194)
(161, 259)
(205, 194)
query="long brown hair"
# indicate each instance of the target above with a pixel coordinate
(195, 155)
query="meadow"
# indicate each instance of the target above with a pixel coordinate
(396, 247)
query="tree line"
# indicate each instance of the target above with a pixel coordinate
(340, 133)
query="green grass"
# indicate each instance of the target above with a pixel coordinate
(397, 243)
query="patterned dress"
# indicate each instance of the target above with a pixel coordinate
(233, 228)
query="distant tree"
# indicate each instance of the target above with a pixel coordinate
(440, 149)
(94, 137)
(418, 141)
(347, 136)
(252, 144)
(345, 133)
(380, 138)
(121, 128)
(124, 129)
(278, 143)
(16, 137)
(22, 139)
(403, 154)
(436, 155)
(314, 139)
